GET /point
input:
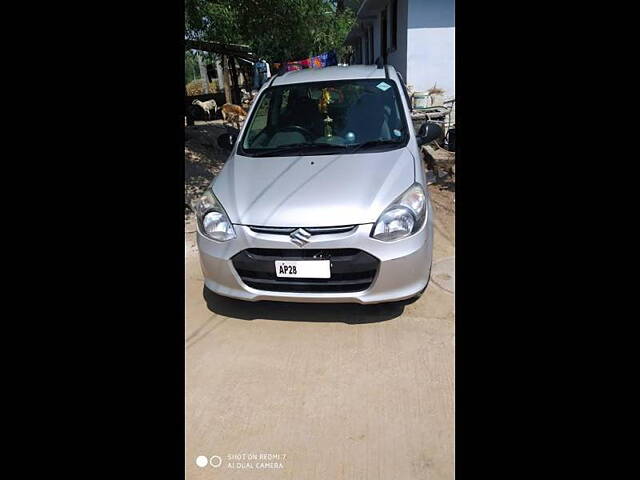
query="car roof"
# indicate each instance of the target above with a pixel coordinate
(351, 72)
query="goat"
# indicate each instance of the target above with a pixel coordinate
(231, 113)
(247, 98)
(194, 112)
(207, 106)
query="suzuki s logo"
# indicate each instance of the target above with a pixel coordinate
(300, 237)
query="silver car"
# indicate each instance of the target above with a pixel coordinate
(323, 197)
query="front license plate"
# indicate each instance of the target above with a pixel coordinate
(303, 268)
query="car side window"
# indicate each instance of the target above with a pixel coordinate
(260, 119)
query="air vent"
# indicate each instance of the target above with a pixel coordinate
(352, 270)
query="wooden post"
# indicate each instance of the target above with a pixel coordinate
(220, 75)
(203, 74)
(187, 102)
(227, 80)
(236, 88)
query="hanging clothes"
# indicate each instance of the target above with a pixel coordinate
(293, 66)
(326, 59)
(316, 62)
(329, 59)
(261, 73)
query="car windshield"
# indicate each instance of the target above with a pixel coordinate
(326, 117)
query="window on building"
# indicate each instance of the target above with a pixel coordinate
(394, 24)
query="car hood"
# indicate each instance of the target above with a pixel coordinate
(313, 191)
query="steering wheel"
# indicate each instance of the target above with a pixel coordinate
(297, 128)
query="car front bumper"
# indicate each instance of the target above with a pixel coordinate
(403, 270)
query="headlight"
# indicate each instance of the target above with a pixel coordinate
(404, 217)
(212, 218)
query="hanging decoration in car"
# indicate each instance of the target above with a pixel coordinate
(323, 103)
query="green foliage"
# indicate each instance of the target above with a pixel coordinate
(276, 30)
(214, 20)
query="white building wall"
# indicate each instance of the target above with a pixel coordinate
(425, 53)
(431, 45)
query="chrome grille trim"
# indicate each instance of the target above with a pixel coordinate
(311, 230)
(273, 230)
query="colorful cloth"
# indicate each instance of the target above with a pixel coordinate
(326, 59)
(292, 66)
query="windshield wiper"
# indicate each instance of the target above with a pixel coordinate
(373, 143)
(299, 147)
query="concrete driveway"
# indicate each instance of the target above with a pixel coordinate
(322, 391)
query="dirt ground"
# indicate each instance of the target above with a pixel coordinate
(203, 158)
(318, 391)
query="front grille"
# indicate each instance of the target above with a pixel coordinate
(311, 230)
(352, 270)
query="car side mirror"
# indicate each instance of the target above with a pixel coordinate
(429, 131)
(226, 141)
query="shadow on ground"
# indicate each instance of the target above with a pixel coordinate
(203, 157)
(447, 184)
(350, 313)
